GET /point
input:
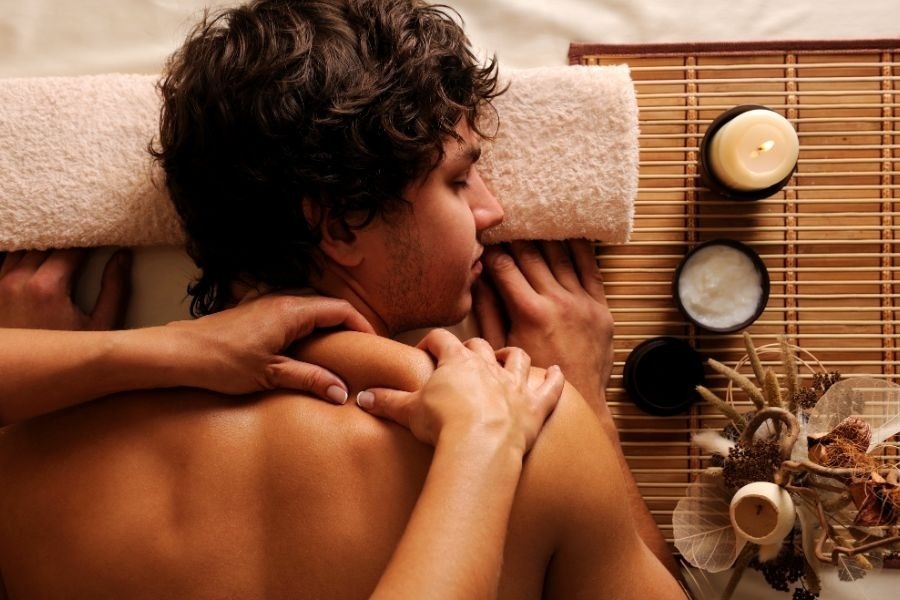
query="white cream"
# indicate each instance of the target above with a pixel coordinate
(720, 287)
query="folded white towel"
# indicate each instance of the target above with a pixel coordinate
(74, 167)
(565, 161)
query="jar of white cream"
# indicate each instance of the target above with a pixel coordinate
(721, 286)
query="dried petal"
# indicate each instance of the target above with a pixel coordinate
(873, 499)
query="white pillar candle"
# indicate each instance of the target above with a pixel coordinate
(753, 151)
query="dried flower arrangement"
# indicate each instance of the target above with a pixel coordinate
(803, 482)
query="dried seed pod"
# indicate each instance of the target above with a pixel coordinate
(754, 358)
(745, 384)
(790, 369)
(772, 390)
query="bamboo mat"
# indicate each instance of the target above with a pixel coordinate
(829, 239)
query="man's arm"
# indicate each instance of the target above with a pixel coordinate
(574, 476)
(551, 296)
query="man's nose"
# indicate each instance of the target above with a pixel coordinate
(485, 208)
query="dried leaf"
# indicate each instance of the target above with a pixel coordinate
(849, 569)
(702, 527)
(875, 401)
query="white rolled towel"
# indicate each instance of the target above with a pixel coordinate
(75, 171)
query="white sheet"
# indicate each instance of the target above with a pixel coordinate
(61, 37)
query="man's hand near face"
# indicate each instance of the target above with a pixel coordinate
(547, 298)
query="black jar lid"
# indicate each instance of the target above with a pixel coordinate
(661, 375)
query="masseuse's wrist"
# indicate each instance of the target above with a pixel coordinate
(153, 357)
(499, 447)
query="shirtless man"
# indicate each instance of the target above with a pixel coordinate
(189, 494)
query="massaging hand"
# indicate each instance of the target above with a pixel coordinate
(36, 290)
(235, 351)
(472, 391)
(243, 346)
(548, 299)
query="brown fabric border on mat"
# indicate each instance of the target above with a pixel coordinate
(580, 49)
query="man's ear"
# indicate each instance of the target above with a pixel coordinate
(339, 242)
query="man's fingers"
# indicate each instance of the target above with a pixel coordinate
(532, 263)
(489, 314)
(561, 266)
(296, 375)
(10, 260)
(588, 272)
(115, 292)
(60, 268)
(31, 260)
(508, 280)
(387, 404)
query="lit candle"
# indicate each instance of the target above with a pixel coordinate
(754, 150)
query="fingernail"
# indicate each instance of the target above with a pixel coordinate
(336, 394)
(365, 399)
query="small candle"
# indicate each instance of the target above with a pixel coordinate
(722, 286)
(762, 512)
(755, 150)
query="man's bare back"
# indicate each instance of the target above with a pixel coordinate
(194, 494)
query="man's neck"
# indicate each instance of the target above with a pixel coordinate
(339, 285)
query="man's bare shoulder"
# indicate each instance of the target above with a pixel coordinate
(364, 360)
(572, 494)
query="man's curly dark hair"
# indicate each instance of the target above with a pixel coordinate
(339, 102)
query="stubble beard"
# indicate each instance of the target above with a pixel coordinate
(408, 303)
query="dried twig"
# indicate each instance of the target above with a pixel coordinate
(776, 414)
(740, 565)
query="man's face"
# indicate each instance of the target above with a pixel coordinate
(430, 252)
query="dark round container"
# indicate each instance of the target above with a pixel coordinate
(708, 176)
(661, 375)
(757, 262)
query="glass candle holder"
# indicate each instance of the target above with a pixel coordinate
(748, 153)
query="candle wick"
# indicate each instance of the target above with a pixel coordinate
(764, 147)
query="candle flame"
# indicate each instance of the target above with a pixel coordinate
(764, 147)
